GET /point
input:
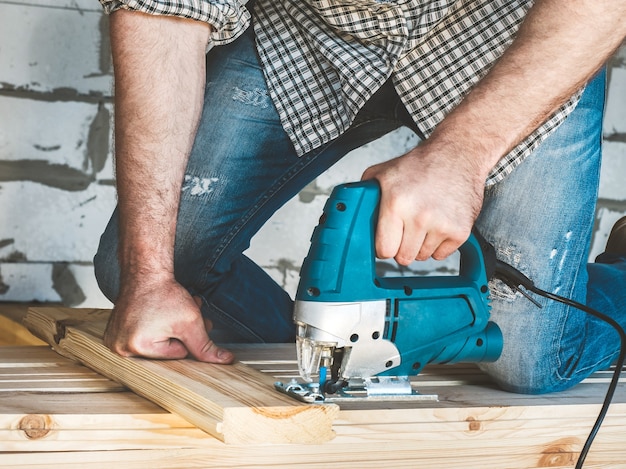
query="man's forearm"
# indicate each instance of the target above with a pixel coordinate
(159, 66)
(559, 47)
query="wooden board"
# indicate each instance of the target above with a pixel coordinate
(51, 403)
(234, 403)
(54, 429)
(473, 425)
(35, 369)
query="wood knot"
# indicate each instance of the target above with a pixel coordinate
(474, 425)
(35, 426)
(563, 452)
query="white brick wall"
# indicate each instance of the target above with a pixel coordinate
(56, 175)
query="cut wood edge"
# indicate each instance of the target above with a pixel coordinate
(309, 424)
(48, 323)
(219, 413)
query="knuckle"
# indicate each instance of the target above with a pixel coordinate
(403, 261)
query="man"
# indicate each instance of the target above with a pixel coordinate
(510, 144)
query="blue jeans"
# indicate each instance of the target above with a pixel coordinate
(540, 220)
(243, 168)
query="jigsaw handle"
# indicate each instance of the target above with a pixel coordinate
(342, 257)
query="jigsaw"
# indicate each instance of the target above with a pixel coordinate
(360, 335)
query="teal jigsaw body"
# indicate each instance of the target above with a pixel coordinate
(428, 319)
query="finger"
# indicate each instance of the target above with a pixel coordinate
(389, 229)
(166, 349)
(450, 245)
(388, 238)
(370, 173)
(430, 243)
(207, 350)
(445, 249)
(412, 241)
(202, 348)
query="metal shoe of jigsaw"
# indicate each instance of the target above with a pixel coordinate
(363, 335)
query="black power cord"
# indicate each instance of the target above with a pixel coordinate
(515, 279)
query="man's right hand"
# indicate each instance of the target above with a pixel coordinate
(161, 320)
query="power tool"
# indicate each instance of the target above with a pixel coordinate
(362, 335)
(371, 333)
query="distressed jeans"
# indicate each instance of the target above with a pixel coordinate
(243, 167)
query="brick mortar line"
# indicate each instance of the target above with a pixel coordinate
(615, 205)
(84, 263)
(54, 7)
(615, 137)
(56, 95)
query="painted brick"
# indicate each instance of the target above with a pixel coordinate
(44, 224)
(73, 285)
(606, 218)
(83, 274)
(613, 173)
(615, 116)
(278, 241)
(27, 282)
(59, 133)
(54, 47)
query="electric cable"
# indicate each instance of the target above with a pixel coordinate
(515, 279)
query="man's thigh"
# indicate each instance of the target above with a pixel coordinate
(540, 220)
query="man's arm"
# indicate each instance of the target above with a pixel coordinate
(432, 195)
(159, 66)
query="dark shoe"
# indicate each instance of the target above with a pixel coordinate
(616, 244)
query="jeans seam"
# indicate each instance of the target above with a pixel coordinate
(564, 320)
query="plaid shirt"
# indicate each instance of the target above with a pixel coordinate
(323, 59)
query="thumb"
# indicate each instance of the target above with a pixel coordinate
(203, 349)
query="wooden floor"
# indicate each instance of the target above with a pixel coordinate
(57, 413)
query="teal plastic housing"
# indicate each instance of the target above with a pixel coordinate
(430, 319)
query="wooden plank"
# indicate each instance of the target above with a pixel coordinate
(35, 369)
(68, 430)
(473, 425)
(202, 393)
(392, 454)
(47, 403)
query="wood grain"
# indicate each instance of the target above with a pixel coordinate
(233, 403)
(473, 425)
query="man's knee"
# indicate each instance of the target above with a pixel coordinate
(106, 265)
(525, 374)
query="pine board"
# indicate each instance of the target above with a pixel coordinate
(36, 369)
(235, 403)
(473, 425)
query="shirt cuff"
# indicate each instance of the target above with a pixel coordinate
(229, 18)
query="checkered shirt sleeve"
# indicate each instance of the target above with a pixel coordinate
(229, 18)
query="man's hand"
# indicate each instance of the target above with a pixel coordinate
(429, 201)
(161, 320)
